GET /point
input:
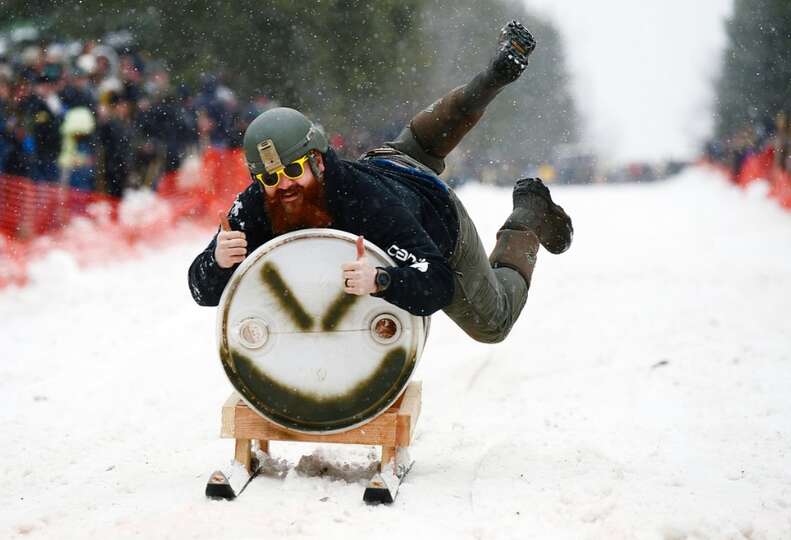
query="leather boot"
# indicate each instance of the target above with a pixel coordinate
(441, 127)
(535, 211)
(516, 250)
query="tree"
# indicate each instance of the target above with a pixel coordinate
(755, 83)
(531, 117)
(359, 67)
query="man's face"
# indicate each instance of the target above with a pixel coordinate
(122, 109)
(290, 194)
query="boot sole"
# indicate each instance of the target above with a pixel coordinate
(556, 228)
(557, 218)
(518, 42)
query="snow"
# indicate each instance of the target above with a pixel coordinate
(644, 393)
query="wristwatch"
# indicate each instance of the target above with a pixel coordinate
(382, 280)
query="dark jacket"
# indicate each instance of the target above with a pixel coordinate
(45, 128)
(402, 210)
(116, 136)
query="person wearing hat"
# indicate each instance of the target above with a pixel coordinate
(44, 115)
(115, 135)
(393, 197)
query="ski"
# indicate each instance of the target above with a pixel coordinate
(230, 483)
(383, 487)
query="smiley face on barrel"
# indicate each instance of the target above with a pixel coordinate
(302, 352)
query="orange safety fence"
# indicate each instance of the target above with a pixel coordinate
(761, 166)
(781, 186)
(30, 208)
(36, 217)
(756, 166)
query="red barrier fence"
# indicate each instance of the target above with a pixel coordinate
(38, 217)
(29, 209)
(756, 166)
(781, 186)
(763, 166)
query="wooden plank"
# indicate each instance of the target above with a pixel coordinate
(397, 404)
(395, 427)
(388, 458)
(249, 424)
(242, 453)
(408, 413)
(228, 415)
(232, 400)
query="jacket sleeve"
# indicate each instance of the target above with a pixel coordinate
(206, 279)
(422, 281)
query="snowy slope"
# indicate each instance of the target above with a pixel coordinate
(644, 393)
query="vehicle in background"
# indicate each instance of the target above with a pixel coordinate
(574, 164)
(643, 171)
(631, 172)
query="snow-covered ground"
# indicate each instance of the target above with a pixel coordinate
(645, 393)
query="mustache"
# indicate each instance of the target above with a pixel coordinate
(293, 190)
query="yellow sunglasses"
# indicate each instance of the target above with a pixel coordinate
(293, 170)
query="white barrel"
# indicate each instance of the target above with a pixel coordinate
(301, 352)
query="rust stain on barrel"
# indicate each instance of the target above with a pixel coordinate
(285, 297)
(337, 310)
(305, 410)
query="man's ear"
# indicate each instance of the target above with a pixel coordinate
(319, 161)
(316, 161)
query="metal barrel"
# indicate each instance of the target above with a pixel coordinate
(301, 352)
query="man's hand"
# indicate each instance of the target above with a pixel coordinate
(231, 246)
(359, 277)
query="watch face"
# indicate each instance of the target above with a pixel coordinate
(382, 279)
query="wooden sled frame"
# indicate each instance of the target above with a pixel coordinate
(393, 430)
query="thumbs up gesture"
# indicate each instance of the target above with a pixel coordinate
(359, 277)
(231, 245)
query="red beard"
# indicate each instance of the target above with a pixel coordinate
(298, 208)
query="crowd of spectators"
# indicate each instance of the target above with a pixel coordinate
(763, 136)
(104, 117)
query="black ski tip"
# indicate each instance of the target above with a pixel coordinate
(377, 492)
(374, 496)
(218, 487)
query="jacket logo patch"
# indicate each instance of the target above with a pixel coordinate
(422, 265)
(403, 255)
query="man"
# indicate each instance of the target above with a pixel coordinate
(44, 112)
(393, 197)
(115, 135)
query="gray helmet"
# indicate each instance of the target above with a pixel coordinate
(279, 136)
